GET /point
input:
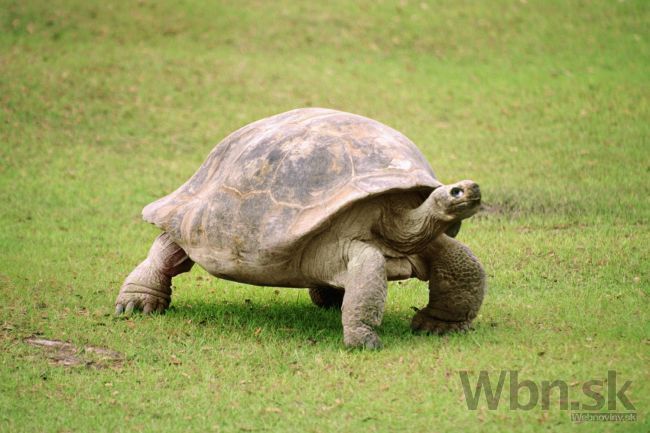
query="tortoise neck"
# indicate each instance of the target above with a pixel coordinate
(411, 230)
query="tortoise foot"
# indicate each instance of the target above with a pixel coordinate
(362, 338)
(135, 297)
(425, 321)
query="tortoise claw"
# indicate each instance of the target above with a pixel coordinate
(129, 308)
(119, 309)
(148, 308)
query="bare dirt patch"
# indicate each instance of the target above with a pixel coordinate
(68, 355)
(514, 208)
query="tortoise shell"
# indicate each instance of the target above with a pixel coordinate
(269, 186)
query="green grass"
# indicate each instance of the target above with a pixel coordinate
(105, 107)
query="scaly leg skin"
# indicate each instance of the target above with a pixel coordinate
(326, 297)
(365, 295)
(456, 289)
(149, 286)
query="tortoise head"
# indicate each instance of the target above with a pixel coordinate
(442, 212)
(457, 201)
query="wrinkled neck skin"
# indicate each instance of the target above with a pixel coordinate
(410, 231)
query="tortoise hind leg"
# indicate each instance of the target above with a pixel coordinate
(149, 286)
(456, 288)
(326, 297)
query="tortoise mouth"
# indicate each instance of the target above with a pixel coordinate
(465, 207)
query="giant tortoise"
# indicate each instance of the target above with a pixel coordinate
(325, 200)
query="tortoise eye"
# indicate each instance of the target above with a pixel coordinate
(456, 192)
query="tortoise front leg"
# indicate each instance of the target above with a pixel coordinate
(149, 286)
(456, 288)
(365, 295)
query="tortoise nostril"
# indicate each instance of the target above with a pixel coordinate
(456, 192)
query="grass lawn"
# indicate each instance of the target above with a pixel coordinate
(106, 106)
